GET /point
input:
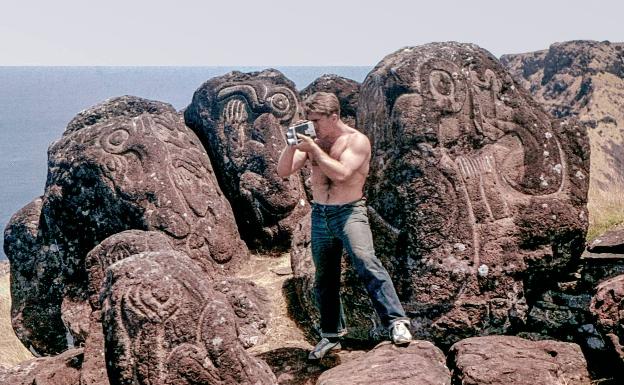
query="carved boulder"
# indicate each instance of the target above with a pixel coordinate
(164, 323)
(242, 118)
(476, 196)
(475, 190)
(116, 168)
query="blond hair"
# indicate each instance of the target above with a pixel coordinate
(324, 103)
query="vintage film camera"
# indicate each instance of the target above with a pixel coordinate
(303, 128)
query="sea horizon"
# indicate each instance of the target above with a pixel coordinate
(37, 103)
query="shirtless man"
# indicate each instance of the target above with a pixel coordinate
(340, 158)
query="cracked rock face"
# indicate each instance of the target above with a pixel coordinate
(124, 168)
(505, 360)
(608, 308)
(242, 119)
(420, 362)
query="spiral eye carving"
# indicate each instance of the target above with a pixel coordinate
(283, 103)
(280, 102)
(444, 82)
(114, 142)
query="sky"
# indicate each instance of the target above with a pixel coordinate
(285, 33)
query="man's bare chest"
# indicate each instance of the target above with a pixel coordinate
(334, 150)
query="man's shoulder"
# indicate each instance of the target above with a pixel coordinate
(358, 139)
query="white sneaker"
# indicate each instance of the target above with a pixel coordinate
(399, 332)
(322, 348)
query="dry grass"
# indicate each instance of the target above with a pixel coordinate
(606, 189)
(11, 349)
(606, 211)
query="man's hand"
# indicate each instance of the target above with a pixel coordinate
(307, 144)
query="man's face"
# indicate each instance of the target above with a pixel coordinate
(323, 124)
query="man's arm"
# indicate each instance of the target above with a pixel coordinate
(351, 159)
(290, 161)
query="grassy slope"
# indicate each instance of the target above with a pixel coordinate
(606, 185)
(606, 188)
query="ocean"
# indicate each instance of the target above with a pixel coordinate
(36, 103)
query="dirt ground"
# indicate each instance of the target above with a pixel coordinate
(284, 348)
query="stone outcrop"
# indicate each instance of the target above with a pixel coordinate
(247, 301)
(118, 172)
(476, 199)
(476, 195)
(165, 323)
(63, 369)
(508, 360)
(479, 193)
(113, 249)
(562, 77)
(608, 308)
(241, 119)
(419, 363)
(584, 79)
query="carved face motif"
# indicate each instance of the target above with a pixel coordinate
(156, 162)
(153, 155)
(242, 104)
(451, 122)
(247, 134)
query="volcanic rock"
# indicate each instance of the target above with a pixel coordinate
(165, 323)
(608, 308)
(63, 369)
(419, 363)
(473, 189)
(114, 248)
(241, 119)
(36, 290)
(584, 79)
(122, 106)
(146, 172)
(346, 90)
(247, 300)
(508, 360)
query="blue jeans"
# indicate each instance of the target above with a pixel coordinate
(335, 227)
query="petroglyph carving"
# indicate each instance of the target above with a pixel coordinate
(155, 162)
(241, 119)
(260, 97)
(462, 157)
(164, 322)
(125, 164)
